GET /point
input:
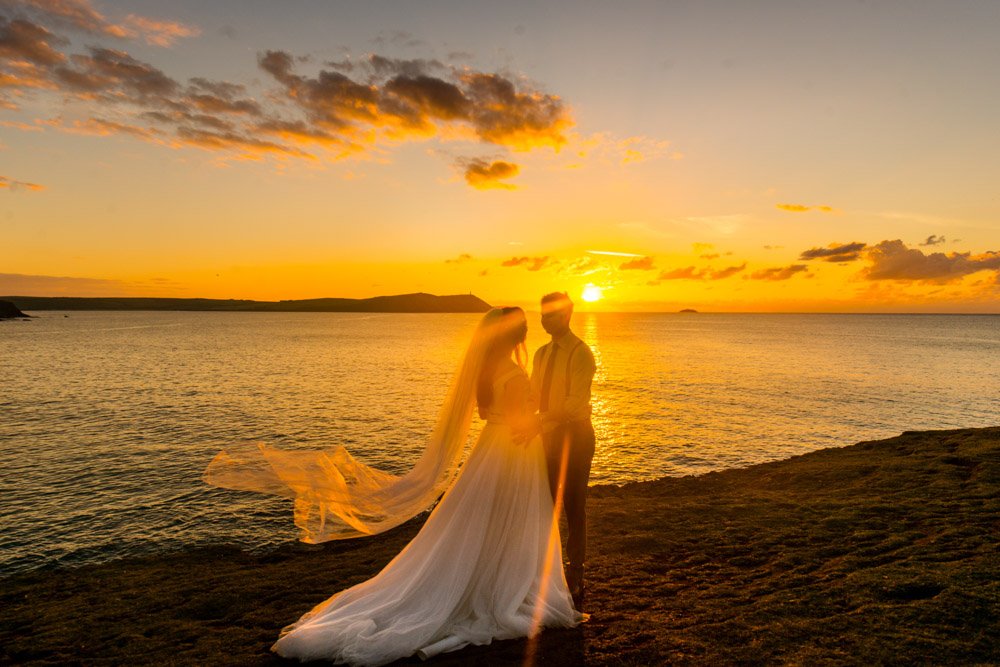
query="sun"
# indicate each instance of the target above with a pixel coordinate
(592, 293)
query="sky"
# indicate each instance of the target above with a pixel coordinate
(650, 156)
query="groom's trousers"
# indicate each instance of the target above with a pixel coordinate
(569, 449)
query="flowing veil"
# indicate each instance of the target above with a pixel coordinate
(338, 497)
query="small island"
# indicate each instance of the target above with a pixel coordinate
(8, 311)
(687, 310)
(400, 303)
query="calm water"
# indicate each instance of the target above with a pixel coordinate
(108, 419)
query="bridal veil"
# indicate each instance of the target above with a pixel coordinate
(338, 497)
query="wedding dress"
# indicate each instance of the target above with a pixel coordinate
(486, 564)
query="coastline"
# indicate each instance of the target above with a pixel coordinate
(879, 552)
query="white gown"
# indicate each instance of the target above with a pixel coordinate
(486, 565)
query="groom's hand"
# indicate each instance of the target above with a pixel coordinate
(524, 435)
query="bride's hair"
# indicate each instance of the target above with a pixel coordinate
(507, 328)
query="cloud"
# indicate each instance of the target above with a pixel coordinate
(345, 109)
(20, 284)
(21, 40)
(613, 253)
(159, 33)
(531, 263)
(609, 150)
(692, 273)
(14, 186)
(779, 273)
(461, 259)
(103, 128)
(640, 264)
(81, 15)
(892, 260)
(407, 99)
(484, 175)
(802, 208)
(835, 252)
(584, 266)
(933, 240)
(711, 255)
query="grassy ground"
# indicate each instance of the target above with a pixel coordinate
(882, 552)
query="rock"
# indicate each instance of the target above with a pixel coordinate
(10, 311)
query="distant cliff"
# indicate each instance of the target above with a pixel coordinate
(400, 303)
(9, 311)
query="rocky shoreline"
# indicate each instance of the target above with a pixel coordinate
(884, 552)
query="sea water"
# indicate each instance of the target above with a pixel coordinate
(107, 419)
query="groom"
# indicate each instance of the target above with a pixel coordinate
(561, 374)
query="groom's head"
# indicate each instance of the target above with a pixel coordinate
(557, 308)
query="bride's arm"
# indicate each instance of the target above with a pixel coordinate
(518, 409)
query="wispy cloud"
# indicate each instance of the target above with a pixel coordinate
(461, 259)
(613, 253)
(694, 273)
(81, 15)
(639, 264)
(530, 263)
(14, 186)
(779, 272)
(802, 208)
(19, 284)
(835, 252)
(933, 239)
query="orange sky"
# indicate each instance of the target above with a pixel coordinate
(670, 157)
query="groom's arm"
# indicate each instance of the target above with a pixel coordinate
(536, 376)
(576, 405)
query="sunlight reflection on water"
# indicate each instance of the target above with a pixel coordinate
(110, 418)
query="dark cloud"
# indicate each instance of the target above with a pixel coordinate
(933, 239)
(21, 40)
(692, 273)
(640, 264)
(835, 252)
(346, 107)
(531, 263)
(461, 259)
(779, 272)
(520, 119)
(117, 75)
(485, 175)
(220, 97)
(411, 98)
(892, 260)
(382, 67)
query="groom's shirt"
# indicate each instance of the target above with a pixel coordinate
(572, 369)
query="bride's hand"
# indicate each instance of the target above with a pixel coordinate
(524, 435)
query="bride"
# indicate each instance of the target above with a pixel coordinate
(486, 564)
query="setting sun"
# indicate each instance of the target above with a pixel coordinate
(592, 293)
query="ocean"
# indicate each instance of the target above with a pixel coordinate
(107, 419)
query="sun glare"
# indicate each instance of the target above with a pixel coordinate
(592, 293)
